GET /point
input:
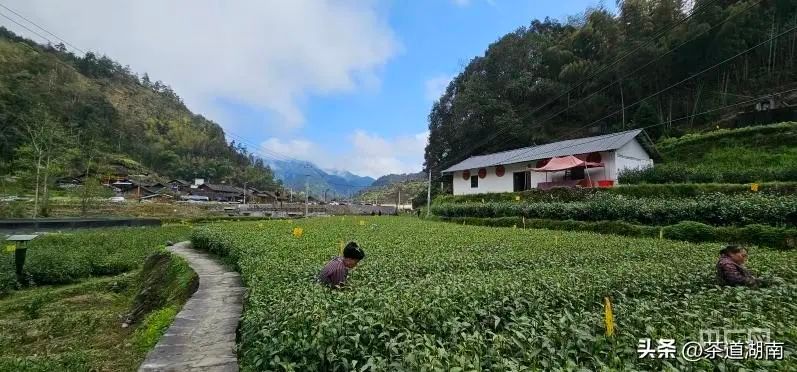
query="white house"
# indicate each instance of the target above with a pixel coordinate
(587, 162)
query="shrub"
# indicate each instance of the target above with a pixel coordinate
(643, 190)
(677, 173)
(690, 231)
(616, 227)
(713, 209)
(768, 236)
(8, 278)
(64, 258)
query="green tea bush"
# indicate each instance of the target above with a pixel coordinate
(751, 154)
(677, 173)
(8, 277)
(61, 258)
(713, 209)
(690, 231)
(760, 235)
(644, 190)
(442, 296)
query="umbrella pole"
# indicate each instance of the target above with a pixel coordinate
(586, 169)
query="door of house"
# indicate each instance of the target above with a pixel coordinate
(519, 181)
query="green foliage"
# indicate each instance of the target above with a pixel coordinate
(69, 361)
(69, 328)
(103, 110)
(744, 155)
(165, 280)
(755, 234)
(153, 327)
(389, 194)
(66, 257)
(536, 84)
(451, 297)
(8, 277)
(690, 231)
(645, 190)
(676, 173)
(714, 209)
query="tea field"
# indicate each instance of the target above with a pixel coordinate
(440, 296)
(63, 258)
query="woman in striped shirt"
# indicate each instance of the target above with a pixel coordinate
(336, 270)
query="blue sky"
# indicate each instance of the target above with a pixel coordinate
(347, 85)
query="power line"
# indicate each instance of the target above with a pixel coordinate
(672, 86)
(26, 27)
(618, 60)
(657, 124)
(640, 68)
(42, 28)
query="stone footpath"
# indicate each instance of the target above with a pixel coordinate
(202, 336)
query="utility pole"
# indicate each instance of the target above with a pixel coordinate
(306, 194)
(429, 194)
(245, 190)
(399, 200)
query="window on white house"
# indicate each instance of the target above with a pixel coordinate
(474, 182)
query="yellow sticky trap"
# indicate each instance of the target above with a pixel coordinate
(362, 223)
(517, 198)
(556, 239)
(608, 316)
(482, 201)
(260, 225)
(514, 226)
(297, 232)
(661, 233)
(11, 248)
(754, 187)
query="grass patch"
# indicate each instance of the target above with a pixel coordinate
(75, 327)
(153, 327)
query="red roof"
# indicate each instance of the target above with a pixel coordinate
(566, 162)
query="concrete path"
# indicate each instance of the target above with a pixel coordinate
(202, 336)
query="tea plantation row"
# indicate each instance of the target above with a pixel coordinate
(433, 295)
(712, 209)
(66, 257)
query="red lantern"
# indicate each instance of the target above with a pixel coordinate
(482, 173)
(500, 171)
(594, 157)
(542, 163)
(466, 175)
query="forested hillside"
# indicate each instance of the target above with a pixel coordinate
(69, 115)
(664, 65)
(392, 178)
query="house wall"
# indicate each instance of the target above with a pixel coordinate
(490, 183)
(631, 156)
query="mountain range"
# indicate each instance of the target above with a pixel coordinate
(336, 183)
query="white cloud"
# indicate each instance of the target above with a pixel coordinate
(464, 3)
(368, 155)
(295, 148)
(269, 55)
(436, 86)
